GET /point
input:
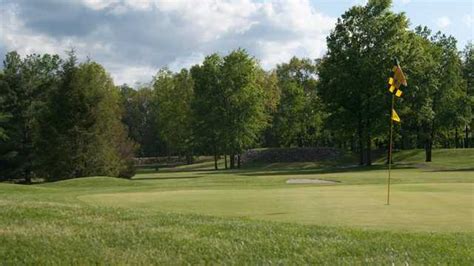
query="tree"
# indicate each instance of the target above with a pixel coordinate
(140, 118)
(81, 133)
(448, 99)
(416, 104)
(435, 102)
(174, 94)
(244, 103)
(3, 118)
(297, 120)
(24, 87)
(272, 95)
(354, 72)
(208, 106)
(468, 74)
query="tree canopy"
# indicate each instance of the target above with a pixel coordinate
(61, 118)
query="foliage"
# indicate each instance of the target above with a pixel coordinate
(436, 101)
(24, 88)
(244, 102)
(297, 121)
(173, 97)
(354, 72)
(61, 119)
(229, 105)
(468, 74)
(208, 106)
(139, 116)
(81, 133)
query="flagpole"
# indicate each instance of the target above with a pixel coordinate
(390, 150)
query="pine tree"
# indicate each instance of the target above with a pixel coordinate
(81, 131)
(24, 87)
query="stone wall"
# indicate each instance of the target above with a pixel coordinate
(276, 155)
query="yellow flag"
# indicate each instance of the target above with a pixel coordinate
(396, 80)
(395, 116)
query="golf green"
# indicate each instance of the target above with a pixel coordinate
(414, 207)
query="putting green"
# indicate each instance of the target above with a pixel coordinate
(415, 207)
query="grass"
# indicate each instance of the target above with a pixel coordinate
(192, 214)
(415, 207)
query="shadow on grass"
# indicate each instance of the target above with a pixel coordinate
(275, 172)
(167, 178)
(453, 170)
(261, 171)
(403, 156)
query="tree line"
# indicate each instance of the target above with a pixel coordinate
(63, 119)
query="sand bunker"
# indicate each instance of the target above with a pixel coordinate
(309, 181)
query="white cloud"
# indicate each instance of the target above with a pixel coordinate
(468, 20)
(134, 38)
(132, 75)
(15, 36)
(360, 2)
(186, 61)
(99, 4)
(443, 22)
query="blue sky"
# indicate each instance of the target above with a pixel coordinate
(454, 17)
(134, 38)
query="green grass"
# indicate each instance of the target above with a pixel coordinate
(414, 207)
(192, 214)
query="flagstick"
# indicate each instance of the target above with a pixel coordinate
(390, 149)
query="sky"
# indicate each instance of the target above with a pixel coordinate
(133, 39)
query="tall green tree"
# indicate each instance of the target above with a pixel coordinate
(208, 107)
(298, 117)
(140, 119)
(81, 133)
(448, 98)
(415, 107)
(3, 117)
(3, 120)
(435, 103)
(272, 95)
(353, 73)
(468, 74)
(24, 88)
(244, 103)
(174, 95)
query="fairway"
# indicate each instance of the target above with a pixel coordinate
(192, 214)
(426, 207)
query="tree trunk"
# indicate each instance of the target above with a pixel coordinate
(28, 177)
(232, 161)
(403, 140)
(238, 161)
(466, 141)
(361, 146)
(369, 150)
(456, 139)
(429, 144)
(189, 159)
(215, 160)
(369, 145)
(428, 148)
(225, 161)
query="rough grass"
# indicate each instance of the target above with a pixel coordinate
(249, 216)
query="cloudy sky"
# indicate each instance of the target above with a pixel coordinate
(134, 38)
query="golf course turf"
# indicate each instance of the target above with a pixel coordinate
(193, 214)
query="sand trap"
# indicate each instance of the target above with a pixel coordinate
(310, 181)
